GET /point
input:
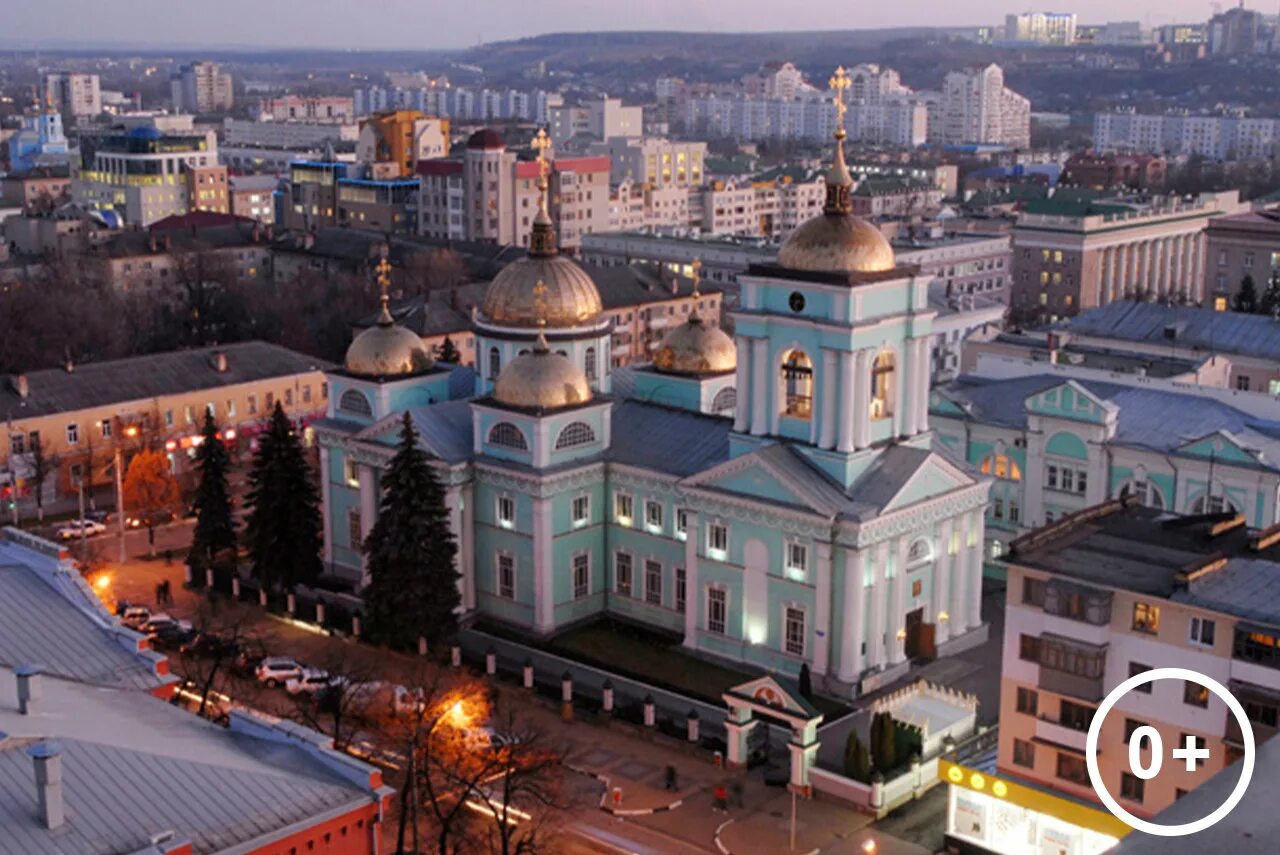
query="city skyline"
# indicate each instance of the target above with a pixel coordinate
(68, 24)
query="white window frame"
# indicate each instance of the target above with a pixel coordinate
(653, 516)
(681, 593)
(1195, 631)
(682, 524)
(624, 501)
(788, 643)
(581, 587)
(351, 473)
(504, 591)
(73, 433)
(585, 517)
(649, 565)
(502, 501)
(618, 587)
(796, 550)
(718, 552)
(712, 590)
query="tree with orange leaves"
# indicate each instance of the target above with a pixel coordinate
(150, 492)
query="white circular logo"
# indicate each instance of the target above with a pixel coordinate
(1095, 728)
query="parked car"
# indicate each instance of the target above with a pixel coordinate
(98, 516)
(72, 530)
(484, 738)
(277, 670)
(162, 621)
(312, 681)
(170, 636)
(134, 616)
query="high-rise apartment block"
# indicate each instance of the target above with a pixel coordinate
(201, 87)
(398, 140)
(1044, 28)
(655, 161)
(79, 95)
(1226, 137)
(603, 118)
(975, 107)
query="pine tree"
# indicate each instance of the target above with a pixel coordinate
(413, 586)
(284, 526)
(1270, 304)
(215, 530)
(449, 352)
(883, 749)
(857, 760)
(805, 686)
(1246, 299)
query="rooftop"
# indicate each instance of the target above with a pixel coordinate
(144, 378)
(1182, 326)
(1105, 358)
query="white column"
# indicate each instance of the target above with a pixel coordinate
(906, 412)
(742, 413)
(1178, 283)
(368, 514)
(543, 579)
(942, 583)
(827, 404)
(760, 376)
(326, 493)
(879, 606)
(862, 399)
(975, 572)
(1108, 272)
(922, 386)
(897, 621)
(822, 611)
(853, 616)
(1153, 259)
(848, 394)
(692, 592)
(959, 606)
(1197, 264)
(1123, 264)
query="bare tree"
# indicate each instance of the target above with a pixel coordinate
(223, 635)
(41, 465)
(523, 799)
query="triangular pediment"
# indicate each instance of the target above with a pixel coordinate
(935, 476)
(1070, 400)
(774, 474)
(1221, 446)
(940, 404)
(772, 695)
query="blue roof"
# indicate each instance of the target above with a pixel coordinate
(678, 442)
(1196, 328)
(145, 132)
(446, 429)
(1154, 419)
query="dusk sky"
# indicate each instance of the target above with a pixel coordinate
(434, 24)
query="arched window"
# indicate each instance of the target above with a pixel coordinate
(1002, 466)
(575, 433)
(920, 552)
(495, 363)
(589, 363)
(797, 378)
(1212, 505)
(354, 401)
(1145, 492)
(725, 400)
(882, 386)
(507, 435)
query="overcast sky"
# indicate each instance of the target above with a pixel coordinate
(450, 23)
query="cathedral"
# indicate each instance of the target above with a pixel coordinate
(770, 498)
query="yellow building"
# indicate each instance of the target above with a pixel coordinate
(401, 138)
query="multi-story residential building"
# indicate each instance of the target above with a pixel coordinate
(461, 103)
(882, 110)
(1221, 137)
(975, 107)
(774, 80)
(1073, 255)
(602, 118)
(201, 87)
(311, 201)
(1042, 28)
(386, 205)
(1236, 31)
(895, 197)
(401, 139)
(654, 161)
(78, 95)
(309, 108)
(1115, 591)
(252, 158)
(278, 134)
(40, 187)
(634, 206)
(254, 197)
(770, 205)
(83, 413)
(1239, 246)
(143, 174)
(1115, 171)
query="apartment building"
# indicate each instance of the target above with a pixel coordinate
(635, 206)
(1041, 28)
(400, 139)
(79, 95)
(254, 196)
(769, 205)
(975, 107)
(461, 103)
(882, 110)
(654, 161)
(1240, 245)
(284, 134)
(1070, 255)
(1219, 137)
(895, 197)
(602, 118)
(308, 108)
(201, 87)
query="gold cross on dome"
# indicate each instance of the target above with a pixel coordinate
(839, 82)
(542, 142)
(384, 274)
(696, 274)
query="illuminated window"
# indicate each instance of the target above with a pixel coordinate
(793, 637)
(717, 610)
(1002, 466)
(506, 511)
(623, 508)
(882, 386)
(622, 573)
(581, 510)
(718, 539)
(1146, 618)
(797, 376)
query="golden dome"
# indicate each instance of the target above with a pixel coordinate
(541, 380)
(696, 348)
(568, 299)
(386, 350)
(837, 243)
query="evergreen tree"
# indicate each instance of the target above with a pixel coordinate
(215, 530)
(883, 748)
(449, 352)
(413, 586)
(857, 760)
(1270, 304)
(805, 682)
(284, 526)
(1246, 299)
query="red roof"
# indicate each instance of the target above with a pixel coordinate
(529, 168)
(439, 166)
(486, 138)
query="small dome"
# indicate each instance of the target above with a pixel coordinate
(696, 348)
(568, 297)
(145, 132)
(386, 350)
(837, 243)
(485, 138)
(541, 380)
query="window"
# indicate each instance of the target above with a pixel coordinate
(622, 573)
(1262, 712)
(1197, 742)
(1072, 768)
(351, 473)
(1081, 481)
(1013, 511)
(681, 589)
(997, 508)
(653, 583)
(1075, 716)
(1024, 753)
(495, 363)
(581, 510)
(653, 516)
(355, 534)
(1068, 476)
(288, 398)
(506, 511)
(725, 400)
(574, 434)
(1202, 631)
(1145, 492)
(797, 558)
(253, 406)
(797, 378)
(717, 610)
(271, 401)
(506, 576)
(1002, 466)
(352, 401)
(1138, 668)
(793, 638)
(73, 433)
(190, 414)
(1212, 505)
(1028, 701)
(682, 524)
(882, 387)
(507, 435)
(581, 575)
(718, 539)
(623, 508)
(1131, 787)
(1028, 648)
(106, 427)
(589, 363)
(1051, 477)
(1194, 694)
(1146, 618)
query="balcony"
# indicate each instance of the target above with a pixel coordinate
(1052, 733)
(1072, 667)
(1257, 700)
(1071, 685)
